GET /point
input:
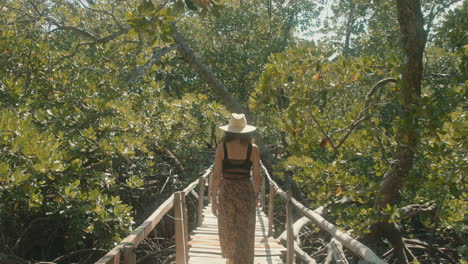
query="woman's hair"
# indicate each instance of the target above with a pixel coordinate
(245, 138)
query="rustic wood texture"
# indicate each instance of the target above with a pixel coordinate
(180, 228)
(142, 231)
(205, 248)
(271, 205)
(289, 230)
(201, 193)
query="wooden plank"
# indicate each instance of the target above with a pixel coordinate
(263, 248)
(205, 246)
(218, 251)
(216, 243)
(208, 258)
(216, 237)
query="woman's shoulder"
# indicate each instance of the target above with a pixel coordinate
(220, 146)
(255, 147)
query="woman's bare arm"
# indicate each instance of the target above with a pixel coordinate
(257, 178)
(216, 174)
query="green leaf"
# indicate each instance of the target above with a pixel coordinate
(4, 172)
(19, 176)
(134, 182)
(146, 8)
(93, 195)
(190, 5)
(76, 184)
(40, 167)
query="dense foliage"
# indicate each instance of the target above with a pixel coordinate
(101, 120)
(80, 149)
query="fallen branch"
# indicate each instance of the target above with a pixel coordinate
(329, 258)
(352, 244)
(337, 250)
(297, 226)
(418, 209)
(158, 252)
(413, 242)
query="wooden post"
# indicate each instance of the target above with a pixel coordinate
(180, 225)
(270, 210)
(210, 181)
(185, 218)
(262, 201)
(201, 193)
(129, 254)
(289, 230)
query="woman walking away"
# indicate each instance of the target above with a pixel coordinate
(234, 205)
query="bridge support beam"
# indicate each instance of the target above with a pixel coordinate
(210, 181)
(129, 253)
(271, 204)
(181, 228)
(201, 196)
(262, 202)
(289, 230)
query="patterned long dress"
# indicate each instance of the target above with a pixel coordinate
(236, 215)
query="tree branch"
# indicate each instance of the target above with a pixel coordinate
(428, 246)
(93, 38)
(157, 55)
(322, 130)
(101, 11)
(363, 115)
(379, 140)
(351, 128)
(418, 209)
(207, 75)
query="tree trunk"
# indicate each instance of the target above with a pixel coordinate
(413, 42)
(218, 88)
(207, 75)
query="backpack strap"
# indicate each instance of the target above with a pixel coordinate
(249, 151)
(225, 151)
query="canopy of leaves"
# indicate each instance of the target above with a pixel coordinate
(101, 120)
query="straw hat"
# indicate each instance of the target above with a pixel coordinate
(238, 124)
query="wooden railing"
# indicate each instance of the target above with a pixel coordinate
(126, 250)
(355, 246)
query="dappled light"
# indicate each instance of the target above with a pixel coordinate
(111, 113)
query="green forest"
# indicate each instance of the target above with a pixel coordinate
(107, 107)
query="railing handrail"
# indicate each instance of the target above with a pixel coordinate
(144, 229)
(352, 244)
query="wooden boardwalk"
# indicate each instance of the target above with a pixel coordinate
(205, 249)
